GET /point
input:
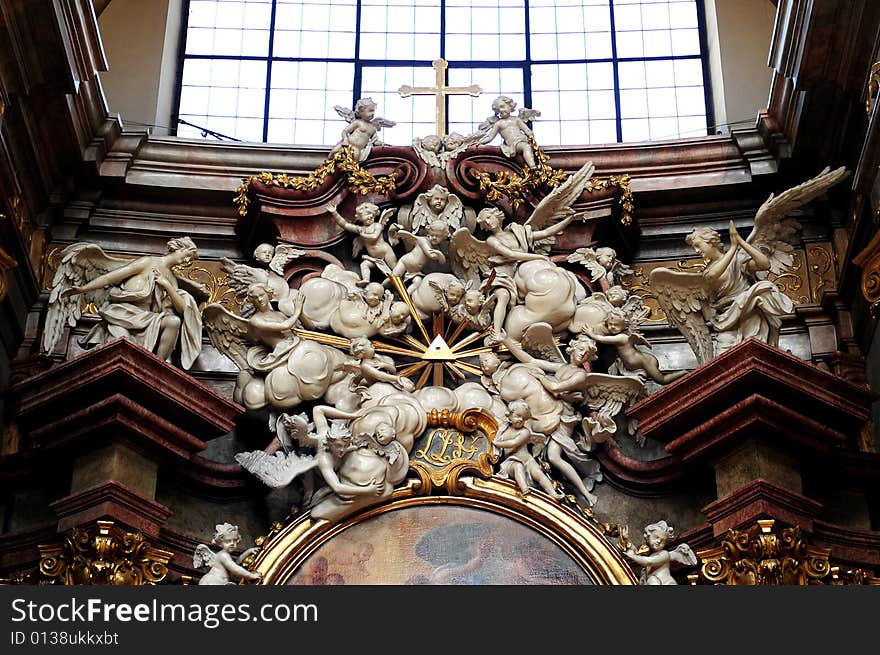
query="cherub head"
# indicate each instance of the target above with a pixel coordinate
(437, 197)
(503, 106)
(366, 213)
(385, 434)
(226, 536)
(455, 292)
(518, 413)
(259, 296)
(473, 301)
(490, 218)
(365, 109)
(606, 257)
(182, 250)
(706, 241)
(263, 253)
(616, 295)
(438, 232)
(581, 349)
(398, 314)
(657, 535)
(453, 140)
(615, 321)
(373, 294)
(489, 363)
(432, 143)
(362, 348)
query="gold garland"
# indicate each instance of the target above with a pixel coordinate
(515, 186)
(359, 180)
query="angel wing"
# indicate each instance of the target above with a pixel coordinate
(537, 340)
(380, 122)
(587, 258)
(773, 232)
(470, 256)
(682, 554)
(485, 126)
(556, 205)
(439, 294)
(386, 215)
(608, 394)
(276, 470)
(525, 114)
(229, 333)
(684, 297)
(80, 263)
(284, 254)
(636, 312)
(291, 428)
(240, 277)
(345, 112)
(203, 556)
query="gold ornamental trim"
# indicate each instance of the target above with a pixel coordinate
(463, 458)
(105, 556)
(766, 555)
(284, 551)
(7, 263)
(869, 261)
(358, 179)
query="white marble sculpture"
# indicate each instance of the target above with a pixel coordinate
(515, 134)
(437, 152)
(272, 261)
(141, 299)
(732, 294)
(436, 204)
(603, 265)
(508, 258)
(515, 437)
(225, 569)
(277, 368)
(370, 235)
(658, 561)
(362, 131)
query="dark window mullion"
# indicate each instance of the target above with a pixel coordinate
(269, 71)
(616, 74)
(704, 56)
(357, 83)
(527, 64)
(181, 59)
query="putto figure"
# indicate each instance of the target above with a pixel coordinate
(732, 294)
(370, 235)
(224, 568)
(515, 134)
(658, 562)
(140, 299)
(361, 134)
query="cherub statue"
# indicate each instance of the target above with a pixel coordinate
(626, 340)
(223, 566)
(276, 367)
(361, 454)
(474, 309)
(399, 320)
(437, 204)
(437, 292)
(548, 292)
(273, 260)
(603, 265)
(370, 235)
(421, 251)
(361, 133)
(658, 561)
(140, 299)
(515, 134)
(515, 438)
(732, 294)
(369, 367)
(436, 152)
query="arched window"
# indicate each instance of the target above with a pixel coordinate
(599, 71)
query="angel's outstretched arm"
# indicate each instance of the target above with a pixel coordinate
(340, 220)
(553, 229)
(654, 559)
(514, 255)
(234, 568)
(111, 277)
(491, 133)
(321, 413)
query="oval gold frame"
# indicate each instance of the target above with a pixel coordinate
(282, 553)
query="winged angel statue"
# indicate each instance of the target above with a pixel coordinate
(140, 299)
(513, 259)
(273, 260)
(732, 294)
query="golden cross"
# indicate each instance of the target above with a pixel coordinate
(440, 91)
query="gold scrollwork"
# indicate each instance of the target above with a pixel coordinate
(108, 556)
(215, 281)
(452, 447)
(873, 86)
(820, 261)
(765, 555)
(793, 280)
(358, 179)
(869, 261)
